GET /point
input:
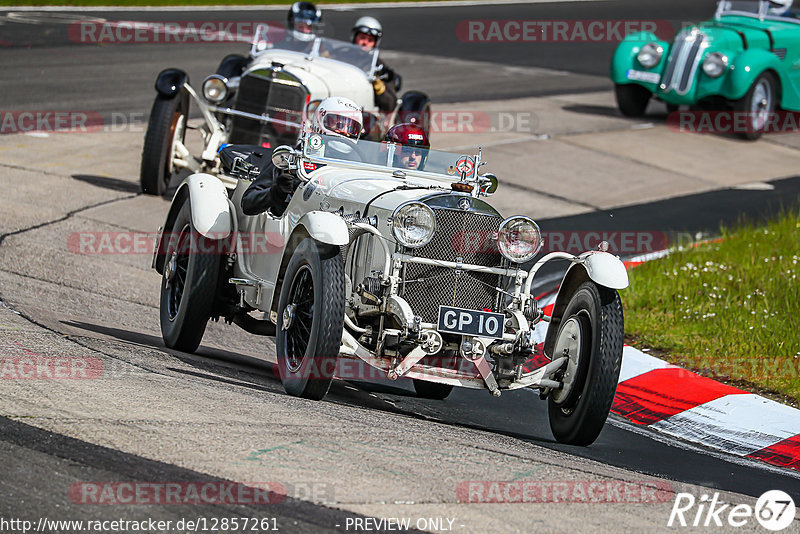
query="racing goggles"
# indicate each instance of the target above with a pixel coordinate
(342, 125)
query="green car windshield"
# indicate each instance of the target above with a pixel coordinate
(390, 156)
(757, 8)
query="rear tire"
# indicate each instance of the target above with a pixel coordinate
(632, 99)
(188, 287)
(167, 125)
(432, 390)
(593, 325)
(310, 320)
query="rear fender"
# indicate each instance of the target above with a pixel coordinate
(211, 215)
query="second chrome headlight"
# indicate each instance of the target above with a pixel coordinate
(519, 239)
(413, 224)
(715, 64)
(215, 89)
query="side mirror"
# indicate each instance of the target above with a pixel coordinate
(282, 157)
(489, 184)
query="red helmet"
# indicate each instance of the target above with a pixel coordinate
(414, 145)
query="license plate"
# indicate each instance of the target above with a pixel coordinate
(639, 76)
(471, 322)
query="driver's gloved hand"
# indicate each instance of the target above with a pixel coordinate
(281, 192)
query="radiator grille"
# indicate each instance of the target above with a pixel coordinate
(684, 59)
(277, 99)
(459, 234)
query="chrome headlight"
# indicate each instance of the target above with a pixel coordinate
(215, 89)
(715, 64)
(413, 224)
(519, 239)
(650, 55)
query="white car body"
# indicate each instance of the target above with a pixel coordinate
(401, 303)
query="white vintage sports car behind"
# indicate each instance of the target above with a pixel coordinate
(410, 271)
(262, 100)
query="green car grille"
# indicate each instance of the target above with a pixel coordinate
(684, 59)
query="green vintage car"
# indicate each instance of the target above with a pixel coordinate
(746, 59)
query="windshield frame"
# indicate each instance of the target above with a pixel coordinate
(313, 50)
(724, 10)
(392, 171)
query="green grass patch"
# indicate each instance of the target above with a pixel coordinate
(729, 309)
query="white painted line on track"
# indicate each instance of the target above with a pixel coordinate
(637, 363)
(738, 424)
(285, 7)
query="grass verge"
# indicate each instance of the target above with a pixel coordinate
(729, 310)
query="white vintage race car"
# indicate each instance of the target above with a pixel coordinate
(262, 100)
(410, 272)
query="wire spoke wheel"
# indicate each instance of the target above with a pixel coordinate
(310, 319)
(189, 282)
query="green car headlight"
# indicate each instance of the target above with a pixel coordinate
(715, 64)
(413, 224)
(650, 55)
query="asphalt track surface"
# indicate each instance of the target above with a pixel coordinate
(44, 70)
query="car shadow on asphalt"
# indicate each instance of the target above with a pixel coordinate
(114, 184)
(260, 375)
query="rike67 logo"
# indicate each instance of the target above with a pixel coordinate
(774, 511)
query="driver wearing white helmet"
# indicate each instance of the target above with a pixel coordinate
(367, 33)
(781, 8)
(272, 190)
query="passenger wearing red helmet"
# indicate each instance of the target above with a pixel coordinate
(412, 147)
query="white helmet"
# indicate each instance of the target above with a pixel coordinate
(338, 116)
(779, 7)
(369, 26)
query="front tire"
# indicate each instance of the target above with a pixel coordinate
(591, 335)
(310, 320)
(165, 129)
(188, 286)
(632, 99)
(759, 103)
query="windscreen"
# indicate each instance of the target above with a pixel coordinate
(320, 47)
(392, 156)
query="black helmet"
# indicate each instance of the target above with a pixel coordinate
(304, 13)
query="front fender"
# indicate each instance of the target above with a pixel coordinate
(602, 268)
(748, 66)
(325, 227)
(211, 215)
(169, 82)
(624, 58)
(605, 269)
